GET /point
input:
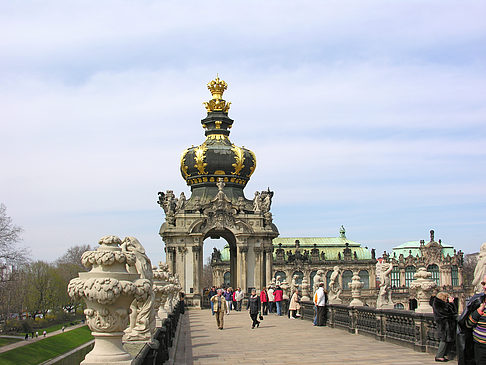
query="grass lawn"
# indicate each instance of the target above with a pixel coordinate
(46, 349)
(7, 340)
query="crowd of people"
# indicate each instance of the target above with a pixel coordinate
(468, 330)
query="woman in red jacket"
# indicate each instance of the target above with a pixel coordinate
(264, 300)
(278, 293)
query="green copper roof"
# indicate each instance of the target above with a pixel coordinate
(413, 247)
(331, 246)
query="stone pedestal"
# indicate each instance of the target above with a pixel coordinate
(356, 285)
(423, 286)
(108, 290)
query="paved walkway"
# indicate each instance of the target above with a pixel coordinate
(35, 339)
(279, 341)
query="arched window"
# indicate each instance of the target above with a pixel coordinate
(328, 278)
(347, 276)
(312, 274)
(409, 273)
(227, 278)
(399, 306)
(434, 269)
(454, 275)
(395, 277)
(300, 276)
(283, 275)
(364, 276)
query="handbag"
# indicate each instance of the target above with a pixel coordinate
(261, 317)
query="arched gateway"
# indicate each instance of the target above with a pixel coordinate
(217, 172)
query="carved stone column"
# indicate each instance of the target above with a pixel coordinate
(243, 250)
(258, 268)
(423, 286)
(356, 285)
(108, 289)
(196, 253)
(268, 265)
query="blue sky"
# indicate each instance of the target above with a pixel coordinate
(367, 114)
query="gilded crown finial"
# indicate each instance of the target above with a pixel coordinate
(217, 88)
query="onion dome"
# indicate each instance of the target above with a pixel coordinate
(217, 157)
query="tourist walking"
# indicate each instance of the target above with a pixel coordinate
(278, 293)
(445, 312)
(320, 300)
(271, 300)
(44, 333)
(294, 305)
(253, 306)
(219, 305)
(212, 293)
(239, 296)
(228, 295)
(264, 301)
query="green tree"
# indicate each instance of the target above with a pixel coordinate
(43, 288)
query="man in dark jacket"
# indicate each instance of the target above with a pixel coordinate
(211, 294)
(253, 306)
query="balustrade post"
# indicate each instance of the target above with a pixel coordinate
(420, 333)
(380, 326)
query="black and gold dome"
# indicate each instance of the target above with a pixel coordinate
(217, 157)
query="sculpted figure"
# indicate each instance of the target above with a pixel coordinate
(257, 202)
(480, 269)
(318, 278)
(334, 287)
(142, 317)
(384, 297)
(293, 283)
(181, 202)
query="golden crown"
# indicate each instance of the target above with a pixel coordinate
(217, 88)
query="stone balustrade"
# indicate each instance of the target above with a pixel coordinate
(403, 327)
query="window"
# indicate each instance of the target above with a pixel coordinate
(227, 278)
(364, 276)
(399, 306)
(312, 274)
(300, 276)
(409, 274)
(454, 276)
(434, 269)
(395, 277)
(282, 275)
(347, 276)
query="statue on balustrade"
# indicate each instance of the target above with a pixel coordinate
(334, 287)
(385, 295)
(480, 269)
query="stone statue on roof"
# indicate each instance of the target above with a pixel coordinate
(480, 269)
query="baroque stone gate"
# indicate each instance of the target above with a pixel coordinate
(217, 172)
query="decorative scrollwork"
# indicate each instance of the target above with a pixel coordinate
(239, 159)
(199, 156)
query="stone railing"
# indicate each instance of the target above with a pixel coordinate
(158, 351)
(406, 328)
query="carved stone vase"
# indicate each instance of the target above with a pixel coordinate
(108, 289)
(305, 289)
(356, 285)
(160, 286)
(423, 286)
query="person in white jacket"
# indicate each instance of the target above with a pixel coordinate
(320, 300)
(239, 295)
(271, 300)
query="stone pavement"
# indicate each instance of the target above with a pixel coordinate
(279, 341)
(35, 339)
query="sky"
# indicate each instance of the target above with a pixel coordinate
(367, 114)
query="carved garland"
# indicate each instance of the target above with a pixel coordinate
(239, 159)
(199, 156)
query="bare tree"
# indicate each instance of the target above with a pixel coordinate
(207, 274)
(468, 267)
(10, 254)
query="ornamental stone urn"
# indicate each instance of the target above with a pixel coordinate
(356, 285)
(305, 289)
(108, 289)
(423, 286)
(161, 290)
